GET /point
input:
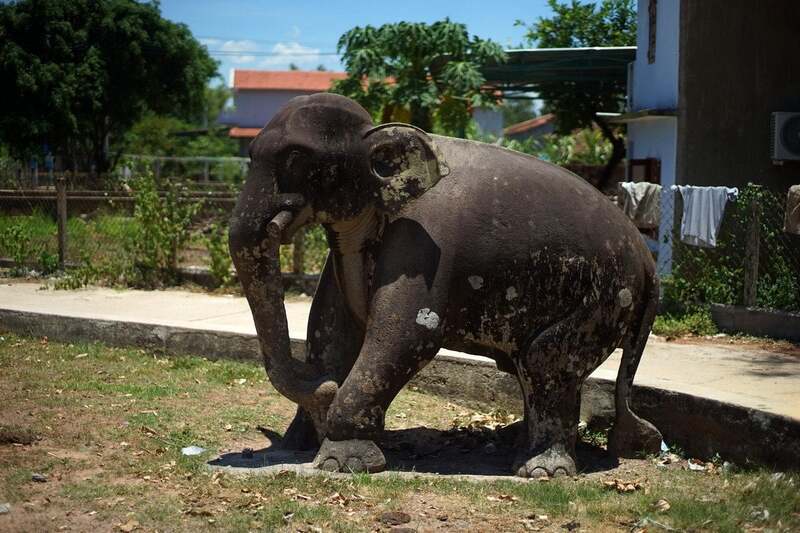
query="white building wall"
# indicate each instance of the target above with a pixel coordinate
(657, 138)
(655, 85)
(253, 109)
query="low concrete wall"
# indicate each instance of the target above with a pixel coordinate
(759, 322)
(700, 426)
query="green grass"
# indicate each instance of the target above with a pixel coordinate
(697, 323)
(117, 419)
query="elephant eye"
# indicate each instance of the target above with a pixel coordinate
(384, 164)
(291, 158)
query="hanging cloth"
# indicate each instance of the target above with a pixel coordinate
(791, 224)
(641, 201)
(703, 208)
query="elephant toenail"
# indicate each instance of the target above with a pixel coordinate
(354, 464)
(558, 472)
(538, 472)
(330, 465)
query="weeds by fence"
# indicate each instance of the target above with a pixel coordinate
(755, 263)
(139, 235)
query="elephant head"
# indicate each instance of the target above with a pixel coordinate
(318, 160)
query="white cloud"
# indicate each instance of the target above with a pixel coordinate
(210, 42)
(239, 49)
(291, 52)
(294, 33)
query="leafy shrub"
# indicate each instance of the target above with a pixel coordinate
(15, 241)
(702, 276)
(316, 249)
(694, 323)
(163, 222)
(584, 147)
(48, 262)
(217, 243)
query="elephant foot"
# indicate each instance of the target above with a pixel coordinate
(632, 436)
(353, 455)
(553, 462)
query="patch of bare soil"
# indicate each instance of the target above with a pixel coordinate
(778, 346)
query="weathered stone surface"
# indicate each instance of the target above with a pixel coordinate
(354, 455)
(759, 322)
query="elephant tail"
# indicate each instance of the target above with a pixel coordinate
(631, 435)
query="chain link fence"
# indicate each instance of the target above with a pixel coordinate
(755, 263)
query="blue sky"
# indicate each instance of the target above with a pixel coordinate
(270, 34)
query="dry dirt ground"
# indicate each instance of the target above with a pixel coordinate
(91, 438)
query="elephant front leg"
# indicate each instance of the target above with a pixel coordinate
(399, 342)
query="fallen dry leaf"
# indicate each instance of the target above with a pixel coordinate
(622, 486)
(662, 506)
(130, 525)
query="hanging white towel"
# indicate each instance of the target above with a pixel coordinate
(703, 208)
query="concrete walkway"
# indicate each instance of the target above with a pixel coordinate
(741, 375)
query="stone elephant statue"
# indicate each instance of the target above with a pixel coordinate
(437, 242)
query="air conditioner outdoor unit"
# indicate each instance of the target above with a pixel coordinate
(785, 136)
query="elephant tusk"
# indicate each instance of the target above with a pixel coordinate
(280, 222)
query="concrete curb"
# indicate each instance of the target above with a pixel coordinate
(761, 322)
(700, 426)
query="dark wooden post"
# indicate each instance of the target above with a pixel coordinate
(751, 255)
(61, 212)
(299, 252)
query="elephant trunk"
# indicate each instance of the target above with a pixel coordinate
(254, 241)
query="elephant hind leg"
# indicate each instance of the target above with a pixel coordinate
(631, 435)
(551, 374)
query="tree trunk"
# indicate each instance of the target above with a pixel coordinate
(617, 154)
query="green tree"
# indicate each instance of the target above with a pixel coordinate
(76, 74)
(576, 24)
(427, 73)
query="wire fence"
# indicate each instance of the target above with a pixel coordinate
(53, 221)
(755, 263)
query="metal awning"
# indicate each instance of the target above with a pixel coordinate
(525, 70)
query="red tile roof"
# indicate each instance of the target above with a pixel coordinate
(243, 133)
(289, 80)
(528, 125)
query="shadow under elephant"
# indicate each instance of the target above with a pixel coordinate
(472, 452)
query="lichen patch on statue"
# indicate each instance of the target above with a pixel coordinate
(427, 318)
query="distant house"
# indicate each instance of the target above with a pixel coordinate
(259, 94)
(533, 128)
(706, 80)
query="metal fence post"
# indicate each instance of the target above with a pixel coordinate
(299, 252)
(61, 212)
(751, 255)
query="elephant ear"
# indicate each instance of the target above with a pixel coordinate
(404, 161)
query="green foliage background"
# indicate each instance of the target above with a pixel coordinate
(75, 74)
(425, 74)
